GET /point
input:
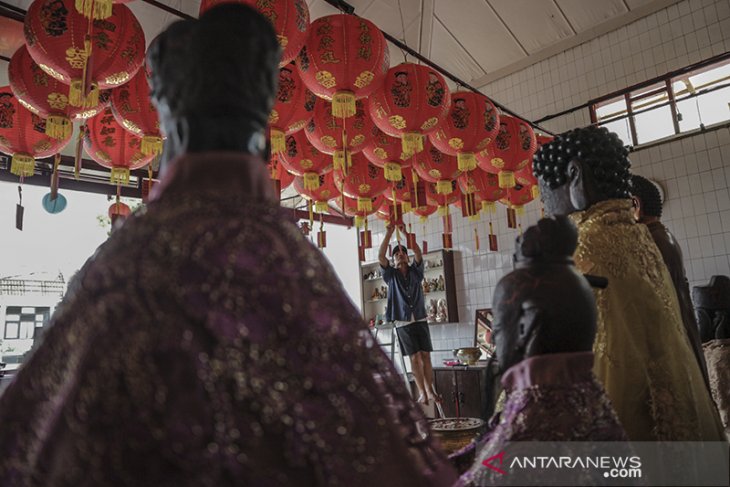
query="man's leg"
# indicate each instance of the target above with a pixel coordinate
(428, 377)
(417, 369)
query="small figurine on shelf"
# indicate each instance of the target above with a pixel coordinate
(441, 311)
(375, 295)
(426, 286)
(441, 286)
(431, 311)
(383, 292)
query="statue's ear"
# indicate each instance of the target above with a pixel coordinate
(577, 185)
(529, 328)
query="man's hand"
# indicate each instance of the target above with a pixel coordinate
(382, 258)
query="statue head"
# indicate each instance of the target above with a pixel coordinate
(580, 168)
(712, 305)
(213, 81)
(646, 198)
(544, 306)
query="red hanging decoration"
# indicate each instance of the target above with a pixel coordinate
(386, 152)
(441, 200)
(518, 197)
(525, 176)
(484, 185)
(413, 100)
(344, 59)
(279, 174)
(322, 194)
(118, 211)
(133, 109)
(436, 167)
(23, 135)
(290, 19)
(44, 95)
(111, 146)
(97, 9)
(87, 55)
(363, 181)
(472, 123)
(402, 191)
(302, 159)
(390, 213)
(511, 151)
(352, 207)
(293, 108)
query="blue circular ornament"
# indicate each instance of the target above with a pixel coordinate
(54, 206)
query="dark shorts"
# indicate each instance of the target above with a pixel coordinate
(414, 338)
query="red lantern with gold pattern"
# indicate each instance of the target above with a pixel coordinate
(302, 159)
(279, 173)
(413, 100)
(45, 96)
(484, 184)
(402, 190)
(363, 181)
(472, 123)
(110, 145)
(353, 207)
(293, 109)
(436, 167)
(435, 198)
(86, 55)
(386, 152)
(290, 19)
(340, 137)
(525, 176)
(343, 59)
(133, 109)
(510, 151)
(517, 197)
(325, 191)
(425, 211)
(23, 135)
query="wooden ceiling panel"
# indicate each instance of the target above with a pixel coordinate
(536, 25)
(584, 14)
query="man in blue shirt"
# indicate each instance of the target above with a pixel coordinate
(407, 310)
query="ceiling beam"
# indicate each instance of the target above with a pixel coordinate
(504, 24)
(425, 35)
(571, 42)
(565, 17)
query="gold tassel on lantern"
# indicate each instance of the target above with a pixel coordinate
(520, 210)
(393, 172)
(22, 165)
(343, 104)
(76, 97)
(151, 144)
(423, 219)
(443, 186)
(467, 161)
(311, 181)
(365, 205)
(58, 127)
(535, 190)
(359, 221)
(489, 207)
(278, 141)
(119, 175)
(96, 9)
(506, 179)
(321, 207)
(339, 158)
(443, 210)
(406, 205)
(476, 239)
(412, 142)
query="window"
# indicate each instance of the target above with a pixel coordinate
(21, 322)
(686, 100)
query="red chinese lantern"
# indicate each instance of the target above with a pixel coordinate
(402, 191)
(352, 207)
(442, 200)
(325, 191)
(279, 173)
(425, 211)
(472, 123)
(363, 181)
(43, 95)
(436, 167)
(97, 9)
(386, 152)
(290, 19)
(110, 145)
(413, 100)
(485, 185)
(86, 55)
(293, 109)
(344, 58)
(517, 197)
(525, 176)
(510, 151)
(23, 135)
(340, 137)
(302, 159)
(133, 109)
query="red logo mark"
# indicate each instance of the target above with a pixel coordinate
(488, 463)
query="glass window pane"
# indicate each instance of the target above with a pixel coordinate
(28, 311)
(26, 329)
(622, 129)
(12, 317)
(706, 78)
(611, 109)
(689, 118)
(715, 106)
(11, 330)
(654, 124)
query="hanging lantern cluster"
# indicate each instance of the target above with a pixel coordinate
(302, 159)
(511, 151)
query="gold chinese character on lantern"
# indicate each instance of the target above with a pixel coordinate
(76, 57)
(397, 122)
(363, 188)
(430, 123)
(57, 101)
(326, 79)
(363, 79)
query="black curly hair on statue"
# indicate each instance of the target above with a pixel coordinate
(601, 151)
(648, 194)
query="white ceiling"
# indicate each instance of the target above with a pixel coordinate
(476, 40)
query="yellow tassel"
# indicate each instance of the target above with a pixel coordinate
(359, 221)
(321, 206)
(412, 142)
(393, 172)
(467, 161)
(476, 239)
(474, 218)
(76, 93)
(311, 181)
(443, 210)
(443, 186)
(424, 219)
(343, 104)
(489, 206)
(406, 205)
(338, 158)
(58, 127)
(535, 192)
(102, 9)
(519, 210)
(22, 165)
(507, 179)
(364, 204)
(119, 175)
(415, 177)
(278, 141)
(151, 145)
(92, 97)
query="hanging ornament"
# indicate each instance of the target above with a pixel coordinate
(344, 59)
(86, 55)
(386, 152)
(352, 207)
(133, 109)
(111, 146)
(485, 187)
(442, 200)
(325, 191)
(118, 211)
(401, 191)
(517, 198)
(290, 19)
(525, 176)
(54, 205)
(340, 137)
(510, 151)
(363, 181)
(472, 123)
(293, 107)
(23, 135)
(281, 177)
(302, 159)
(411, 103)
(97, 9)
(436, 167)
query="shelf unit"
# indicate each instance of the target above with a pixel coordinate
(440, 263)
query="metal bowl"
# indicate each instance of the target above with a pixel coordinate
(468, 355)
